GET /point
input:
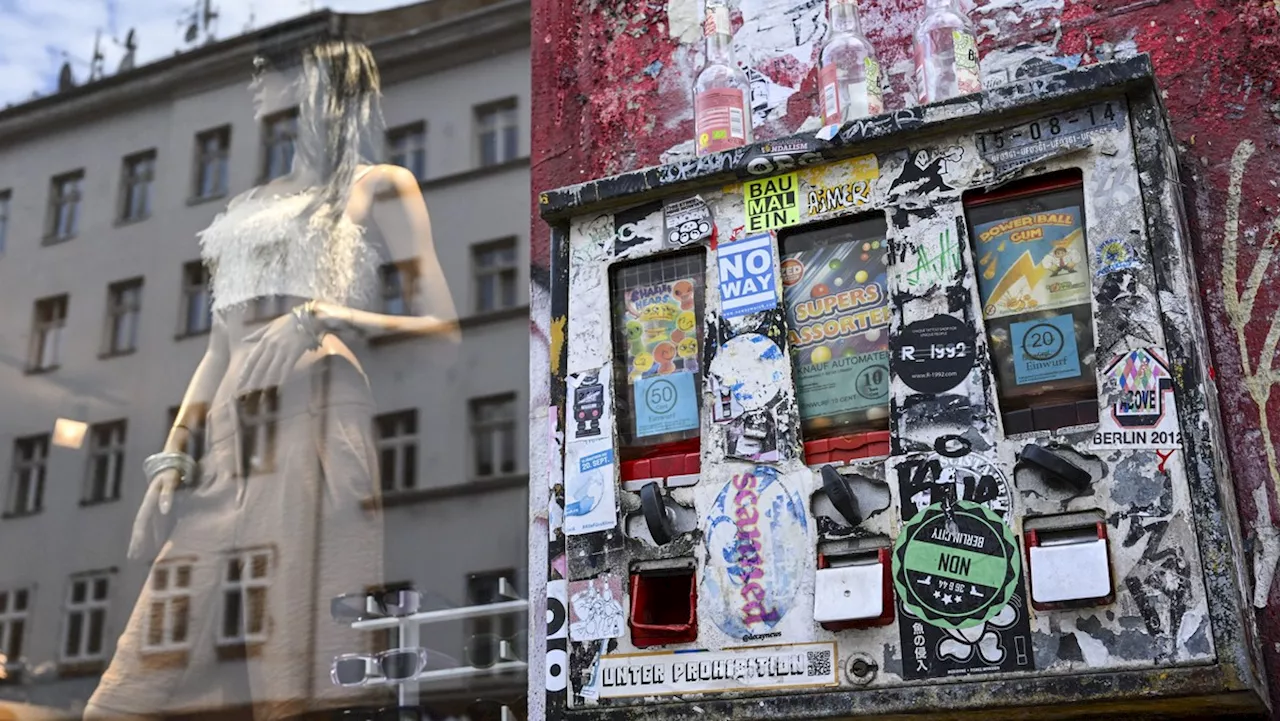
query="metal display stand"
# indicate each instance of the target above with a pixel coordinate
(407, 628)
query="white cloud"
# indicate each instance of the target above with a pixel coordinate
(34, 34)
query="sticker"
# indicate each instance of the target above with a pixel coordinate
(966, 55)
(838, 327)
(931, 270)
(1032, 262)
(747, 281)
(934, 355)
(686, 221)
(926, 479)
(1044, 350)
(757, 668)
(666, 404)
(595, 608)
(926, 172)
(1143, 413)
(955, 565)
(557, 665)
(589, 491)
(839, 186)
(555, 512)
(726, 406)
(771, 202)
(721, 117)
(1114, 255)
(590, 417)
(754, 437)
(752, 573)
(1043, 137)
(752, 367)
(635, 226)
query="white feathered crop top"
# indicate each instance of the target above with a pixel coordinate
(262, 246)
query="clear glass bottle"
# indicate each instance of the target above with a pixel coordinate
(849, 74)
(946, 51)
(721, 94)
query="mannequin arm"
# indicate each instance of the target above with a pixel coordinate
(397, 209)
(201, 388)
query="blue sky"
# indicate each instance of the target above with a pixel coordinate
(34, 34)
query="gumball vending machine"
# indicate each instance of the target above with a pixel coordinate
(913, 419)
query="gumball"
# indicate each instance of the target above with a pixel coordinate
(839, 282)
(865, 257)
(834, 264)
(873, 334)
(866, 247)
(819, 290)
(677, 336)
(861, 276)
(821, 354)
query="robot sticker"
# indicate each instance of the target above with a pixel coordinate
(589, 417)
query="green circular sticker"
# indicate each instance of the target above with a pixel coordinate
(955, 564)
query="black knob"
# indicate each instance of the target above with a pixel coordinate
(655, 513)
(1056, 466)
(837, 489)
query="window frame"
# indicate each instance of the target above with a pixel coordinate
(6, 203)
(228, 586)
(269, 142)
(196, 444)
(493, 429)
(203, 157)
(11, 615)
(416, 129)
(57, 323)
(195, 282)
(504, 117)
(131, 180)
(119, 306)
(260, 429)
(405, 290)
(58, 198)
(168, 599)
(403, 446)
(37, 460)
(116, 433)
(88, 606)
(507, 275)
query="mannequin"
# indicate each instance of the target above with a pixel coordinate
(288, 489)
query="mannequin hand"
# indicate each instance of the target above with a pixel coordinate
(277, 347)
(157, 502)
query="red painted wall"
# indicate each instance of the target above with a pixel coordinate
(610, 94)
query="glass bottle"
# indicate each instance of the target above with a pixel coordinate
(946, 53)
(849, 74)
(721, 94)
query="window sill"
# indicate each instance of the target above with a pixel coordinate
(161, 659)
(71, 669)
(202, 199)
(56, 239)
(473, 173)
(238, 651)
(88, 502)
(419, 495)
(121, 222)
(116, 353)
(41, 370)
(185, 334)
(8, 515)
(471, 321)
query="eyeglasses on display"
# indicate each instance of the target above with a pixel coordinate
(357, 669)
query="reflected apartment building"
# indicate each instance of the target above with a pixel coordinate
(103, 188)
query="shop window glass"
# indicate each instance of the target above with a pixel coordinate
(1035, 285)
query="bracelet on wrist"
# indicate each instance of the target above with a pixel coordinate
(158, 463)
(305, 315)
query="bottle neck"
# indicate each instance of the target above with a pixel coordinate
(719, 35)
(931, 5)
(844, 18)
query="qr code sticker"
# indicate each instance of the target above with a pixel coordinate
(819, 663)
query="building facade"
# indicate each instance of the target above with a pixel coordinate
(103, 188)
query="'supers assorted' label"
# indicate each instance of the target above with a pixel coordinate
(721, 120)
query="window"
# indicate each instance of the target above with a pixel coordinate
(26, 481)
(195, 429)
(258, 414)
(135, 196)
(86, 626)
(398, 282)
(493, 435)
(496, 132)
(64, 206)
(407, 147)
(213, 149)
(482, 588)
(398, 449)
(279, 131)
(169, 618)
(13, 623)
(266, 307)
(495, 272)
(5, 196)
(197, 306)
(124, 306)
(46, 333)
(246, 577)
(106, 462)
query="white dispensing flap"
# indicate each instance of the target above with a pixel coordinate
(849, 593)
(1070, 572)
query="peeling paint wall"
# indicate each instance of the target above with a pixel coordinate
(1216, 66)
